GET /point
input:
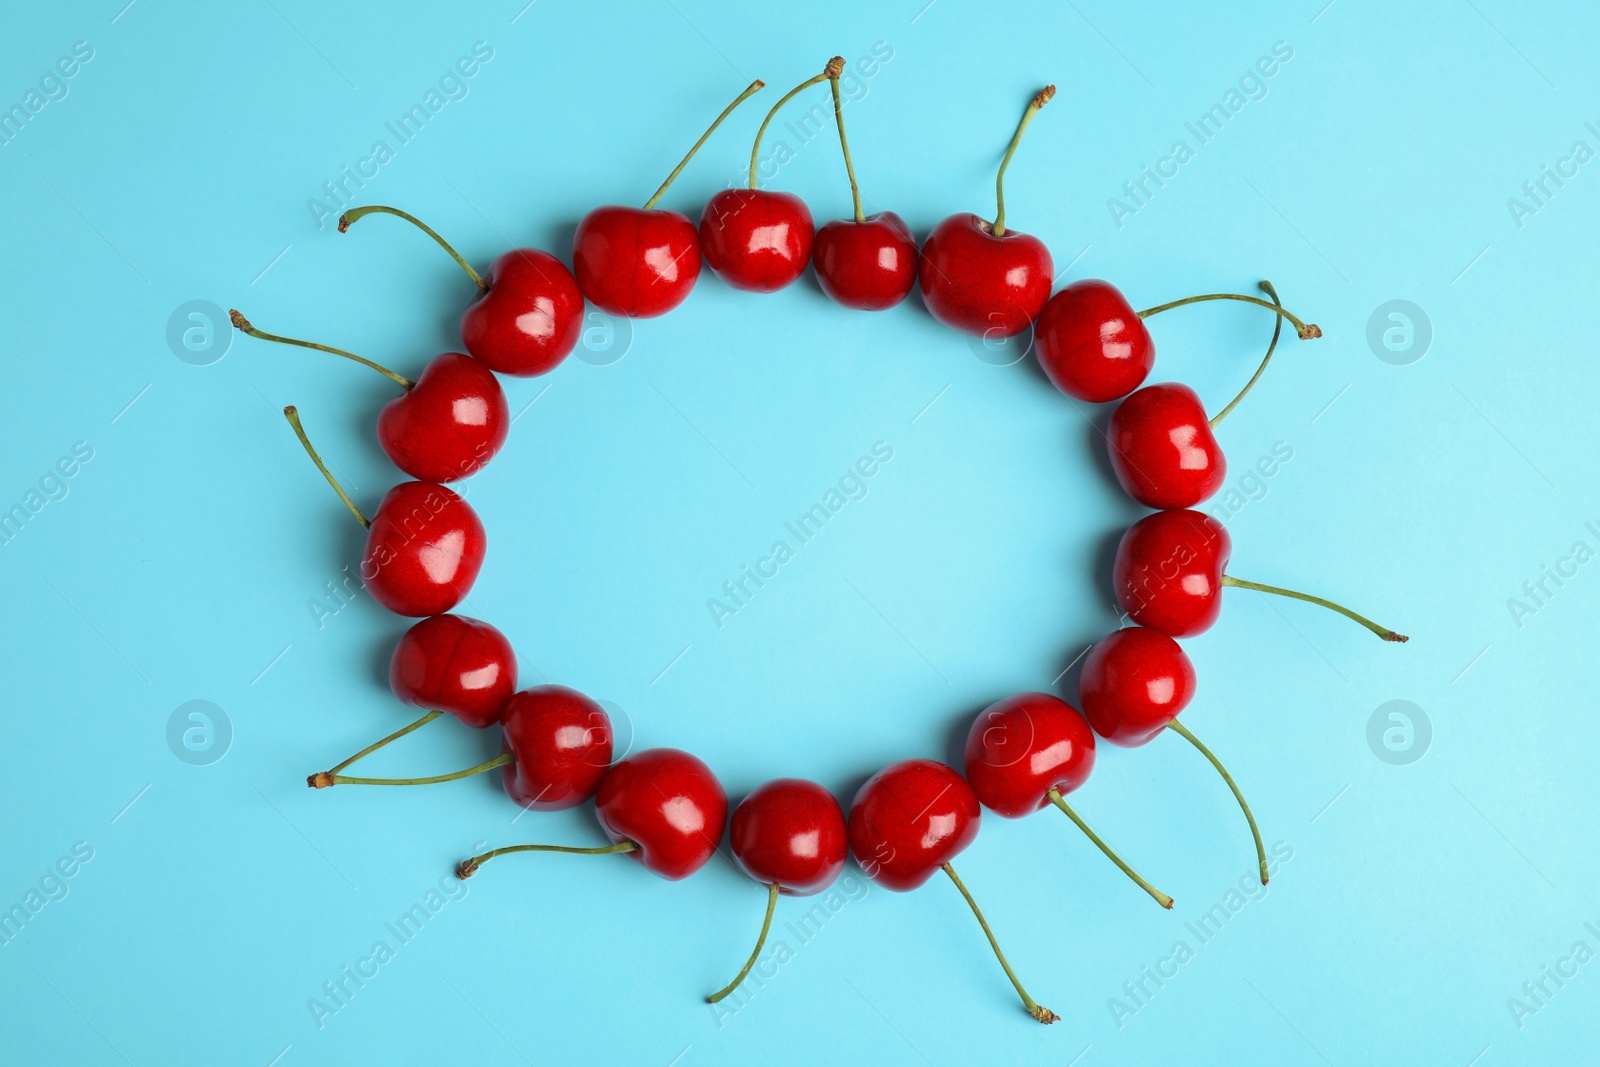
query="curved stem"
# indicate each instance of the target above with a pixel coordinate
(1277, 330)
(1261, 853)
(1159, 897)
(835, 65)
(844, 145)
(1383, 632)
(1305, 330)
(1042, 1014)
(1040, 99)
(468, 867)
(356, 214)
(293, 415)
(323, 779)
(370, 749)
(754, 87)
(242, 324)
(766, 924)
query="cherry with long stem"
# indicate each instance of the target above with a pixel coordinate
(1277, 331)
(243, 325)
(834, 67)
(1040, 1013)
(1043, 97)
(356, 214)
(324, 779)
(1161, 898)
(1261, 853)
(753, 88)
(766, 925)
(327, 777)
(1306, 330)
(1382, 631)
(468, 867)
(844, 144)
(293, 415)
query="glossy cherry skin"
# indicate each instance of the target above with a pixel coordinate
(669, 804)
(528, 319)
(1133, 684)
(756, 240)
(981, 284)
(1168, 571)
(424, 550)
(790, 833)
(635, 262)
(1162, 449)
(560, 745)
(869, 265)
(449, 424)
(1091, 344)
(1021, 748)
(457, 665)
(910, 819)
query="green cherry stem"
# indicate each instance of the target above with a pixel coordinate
(844, 144)
(333, 772)
(1261, 853)
(1040, 1013)
(1305, 330)
(1277, 331)
(468, 867)
(1383, 632)
(293, 415)
(831, 71)
(766, 924)
(754, 87)
(1040, 99)
(323, 779)
(242, 324)
(1159, 897)
(356, 214)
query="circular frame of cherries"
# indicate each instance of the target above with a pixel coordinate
(663, 807)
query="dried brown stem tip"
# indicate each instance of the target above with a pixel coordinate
(344, 224)
(1397, 638)
(1044, 1014)
(1311, 332)
(835, 67)
(466, 869)
(238, 320)
(320, 780)
(1046, 95)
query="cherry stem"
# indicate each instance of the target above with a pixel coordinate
(1305, 330)
(1261, 853)
(323, 779)
(1383, 632)
(766, 924)
(1277, 330)
(242, 324)
(355, 214)
(754, 87)
(1040, 99)
(1159, 897)
(370, 749)
(468, 867)
(1042, 1014)
(835, 65)
(293, 415)
(844, 145)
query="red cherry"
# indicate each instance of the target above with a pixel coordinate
(641, 262)
(1162, 449)
(424, 549)
(870, 264)
(1091, 344)
(449, 424)
(560, 744)
(756, 240)
(1168, 571)
(529, 317)
(980, 277)
(669, 805)
(455, 664)
(1134, 683)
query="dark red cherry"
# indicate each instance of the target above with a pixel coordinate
(457, 665)
(756, 240)
(449, 424)
(1021, 748)
(1091, 344)
(982, 284)
(636, 262)
(1162, 449)
(1133, 684)
(869, 265)
(910, 819)
(424, 550)
(789, 832)
(669, 805)
(529, 316)
(560, 744)
(1168, 571)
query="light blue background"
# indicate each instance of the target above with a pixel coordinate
(179, 566)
